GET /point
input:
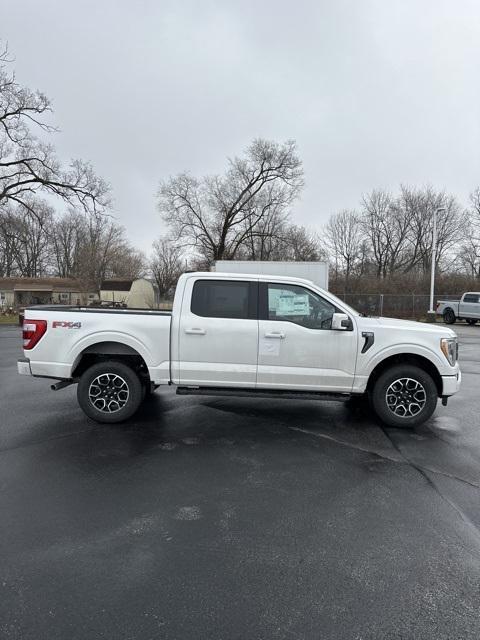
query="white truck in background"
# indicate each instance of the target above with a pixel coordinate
(246, 335)
(315, 271)
(467, 308)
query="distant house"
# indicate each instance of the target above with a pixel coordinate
(21, 292)
(139, 293)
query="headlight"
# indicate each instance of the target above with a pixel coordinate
(449, 347)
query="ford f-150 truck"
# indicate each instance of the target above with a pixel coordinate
(234, 334)
(467, 308)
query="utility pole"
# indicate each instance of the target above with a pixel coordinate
(431, 315)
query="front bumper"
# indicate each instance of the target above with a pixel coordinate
(23, 367)
(451, 384)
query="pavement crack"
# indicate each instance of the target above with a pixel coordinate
(423, 472)
(452, 476)
(403, 459)
(62, 436)
(349, 445)
(406, 461)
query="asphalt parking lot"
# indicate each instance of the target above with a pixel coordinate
(237, 518)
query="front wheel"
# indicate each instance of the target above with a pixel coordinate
(404, 396)
(471, 321)
(109, 392)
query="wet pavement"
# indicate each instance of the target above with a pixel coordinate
(237, 518)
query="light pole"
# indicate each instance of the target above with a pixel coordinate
(431, 316)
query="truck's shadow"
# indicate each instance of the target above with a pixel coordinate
(166, 423)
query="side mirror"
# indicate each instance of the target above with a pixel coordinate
(341, 322)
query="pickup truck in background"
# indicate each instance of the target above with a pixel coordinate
(244, 335)
(467, 308)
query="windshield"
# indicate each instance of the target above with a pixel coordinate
(343, 304)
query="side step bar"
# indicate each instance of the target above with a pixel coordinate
(261, 393)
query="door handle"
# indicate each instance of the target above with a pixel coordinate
(196, 331)
(275, 334)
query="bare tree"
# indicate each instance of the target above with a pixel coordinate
(468, 255)
(28, 165)
(399, 230)
(217, 215)
(66, 239)
(344, 238)
(126, 262)
(262, 238)
(475, 205)
(419, 206)
(7, 243)
(104, 252)
(25, 238)
(375, 220)
(166, 265)
(33, 249)
(300, 244)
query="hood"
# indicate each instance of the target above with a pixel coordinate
(406, 325)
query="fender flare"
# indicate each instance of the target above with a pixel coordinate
(77, 350)
(405, 349)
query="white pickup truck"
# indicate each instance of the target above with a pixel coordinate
(467, 308)
(234, 334)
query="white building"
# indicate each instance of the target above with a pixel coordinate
(135, 294)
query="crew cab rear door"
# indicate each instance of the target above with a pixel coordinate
(218, 333)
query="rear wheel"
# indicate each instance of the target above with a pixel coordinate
(109, 392)
(404, 396)
(449, 316)
(471, 321)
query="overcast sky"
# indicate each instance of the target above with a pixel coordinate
(376, 92)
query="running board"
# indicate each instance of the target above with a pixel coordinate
(261, 393)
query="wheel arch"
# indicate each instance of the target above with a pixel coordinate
(406, 358)
(110, 350)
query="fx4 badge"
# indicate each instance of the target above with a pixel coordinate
(63, 324)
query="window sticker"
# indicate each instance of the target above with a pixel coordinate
(288, 303)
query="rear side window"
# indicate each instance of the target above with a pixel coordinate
(470, 297)
(224, 299)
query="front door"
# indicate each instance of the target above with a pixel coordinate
(297, 347)
(218, 333)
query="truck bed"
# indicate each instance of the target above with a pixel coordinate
(73, 331)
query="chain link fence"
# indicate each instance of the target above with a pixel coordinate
(401, 305)
(412, 306)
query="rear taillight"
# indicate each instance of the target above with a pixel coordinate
(33, 330)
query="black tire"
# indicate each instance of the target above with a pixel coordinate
(390, 392)
(449, 316)
(113, 385)
(471, 321)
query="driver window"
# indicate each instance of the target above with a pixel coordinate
(291, 303)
